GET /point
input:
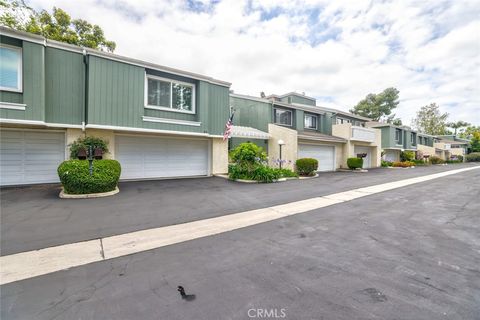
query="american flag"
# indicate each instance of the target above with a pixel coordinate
(228, 127)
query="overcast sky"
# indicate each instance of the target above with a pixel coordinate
(335, 51)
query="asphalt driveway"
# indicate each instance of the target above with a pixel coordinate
(34, 217)
(408, 253)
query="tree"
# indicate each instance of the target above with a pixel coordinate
(378, 106)
(397, 122)
(457, 125)
(468, 132)
(475, 142)
(56, 26)
(429, 120)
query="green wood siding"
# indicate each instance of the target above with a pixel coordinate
(33, 93)
(252, 113)
(64, 85)
(218, 108)
(301, 100)
(116, 98)
(115, 93)
(259, 142)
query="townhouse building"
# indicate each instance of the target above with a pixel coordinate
(159, 121)
(305, 129)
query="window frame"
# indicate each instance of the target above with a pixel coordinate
(171, 81)
(19, 88)
(399, 140)
(283, 124)
(312, 116)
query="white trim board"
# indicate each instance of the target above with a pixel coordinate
(66, 256)
(171, 121)
(39, 123)
(13, 106)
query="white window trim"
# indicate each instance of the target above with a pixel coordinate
(20, 67)
(316, 121)
(148, 106)
(13, 106)
(283, 124)
(171, 121)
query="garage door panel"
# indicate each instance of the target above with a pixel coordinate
(160, 157)
(30, 156)
(324, 154)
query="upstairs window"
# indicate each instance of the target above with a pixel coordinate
(170, 95)
(283, 117)
(311, 122)
(398, 136)
(10, 68)
(413, 139)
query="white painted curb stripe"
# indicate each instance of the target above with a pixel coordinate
(30, 264)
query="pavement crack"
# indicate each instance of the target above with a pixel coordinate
(102, 252)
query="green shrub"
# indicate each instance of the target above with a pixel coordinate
(420, 162)
(473, 157)
(407, 156)
(76, 179)
(248, 154)
(436, 160)
(355, 163)
(85, 143)
(287, 173)
(306, 166)
(265, 174)
(386, 163)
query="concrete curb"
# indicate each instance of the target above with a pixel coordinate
(64, 195)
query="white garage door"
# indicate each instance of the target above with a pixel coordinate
(28, 157)
(158, 157)
(324, 154)
(367, 161)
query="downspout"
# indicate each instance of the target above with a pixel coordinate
(85, 98)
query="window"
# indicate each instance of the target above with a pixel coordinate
(413, 139)
(311, 122)
(11, 68)
(283, 117)
(167, 94)
(398, 136)
(341, 121)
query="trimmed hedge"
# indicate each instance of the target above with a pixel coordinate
(473, 157)
(436, 160)
(306, 166)
(260, 173)
(76, 178)
(355, 163)
(403, 164)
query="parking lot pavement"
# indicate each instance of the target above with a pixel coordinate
(34, 217)
(408, 253)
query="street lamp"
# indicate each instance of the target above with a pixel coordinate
(280, 144)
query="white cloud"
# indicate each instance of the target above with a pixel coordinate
(336, 51)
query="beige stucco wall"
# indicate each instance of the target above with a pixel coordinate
(457, 151)
(289, 149)
(426, 150)
(107, 135)
(219, 156)
(348, 150)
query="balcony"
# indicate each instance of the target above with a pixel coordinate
(363, 134)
